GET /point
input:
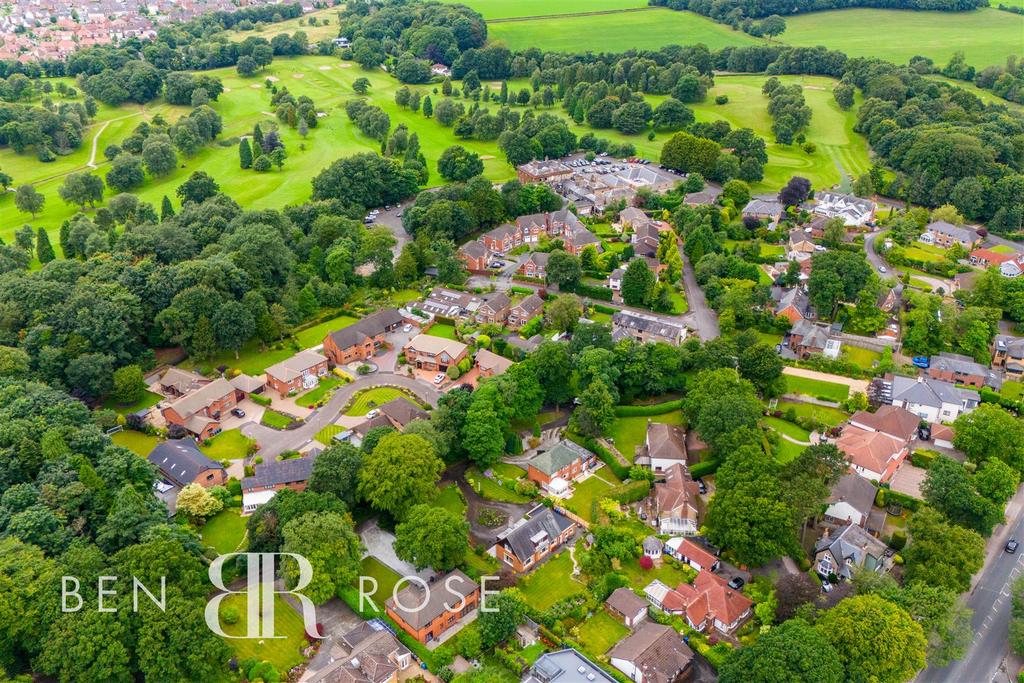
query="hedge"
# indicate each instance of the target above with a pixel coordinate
(705, 467)
(592, 291)
(608, 310)
(260, 400)
(618, 469)
(923, 458)
(989, 396)
(629, 493)
(654, 409)
(886, 496)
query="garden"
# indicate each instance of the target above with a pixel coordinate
(224, 532)
(368, 399)
(600, 632)
(137, 442)
(816, 388)
(320, 392)
(275, 419)
(588, 492)
(627, 433)
(282, 652)
(550, 582)
(229, 445)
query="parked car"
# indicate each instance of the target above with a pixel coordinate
(407, 328)
(701, 486)
(1011, 546)
(238, 412)
(439, 377)
(826, 586)
(736, 582)
(882, 269)
(372, 414)
(924, 432)
(921, 361)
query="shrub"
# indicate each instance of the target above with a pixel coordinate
(260, 400)
(646, 562)
(722, 99)
(654, 409)
(898, 540)
(705, 467)
(230, 615)
(923, 458)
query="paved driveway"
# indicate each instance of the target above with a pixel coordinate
(381, 545)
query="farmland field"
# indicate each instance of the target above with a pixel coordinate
(503, 9)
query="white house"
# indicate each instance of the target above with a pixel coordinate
(853, 210)
(931, 399)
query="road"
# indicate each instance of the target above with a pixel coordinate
(869, 248)
(990, 600)
(700, 317)
(393, 222)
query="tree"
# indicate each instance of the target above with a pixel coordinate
(772, 26)
(233, 325)
(91, 374)
(432, 537)
(672, 114)
(128, 384)
(762, 366)
(795, 652)
(246, 66)
(482, 432)
(159, 156)
(564, 312)
(795, 192)
(6, 181)
(81, 189)
(366, 180)
(361, 85)
(14, 363)
(262, 164)
(736, 191)
(632, 117)
(44, 250)
(990, 432)
(942, 554)
(691, 154)
(638, 283)
(328, 542)
(29, 200)
(874, 639)
(719, 405)
(428, 107)
(125, 173)
(563, 268)
(244, 153)
(948, 488)
(196, 502)
(198, 188)
(996, 481)
(459, 164)
(504, 613)
(596, 410)
(792, 592)
(401, 471)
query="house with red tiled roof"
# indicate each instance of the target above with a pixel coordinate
(708, 603)
(890, 420)
(872, 455)
(686, 550)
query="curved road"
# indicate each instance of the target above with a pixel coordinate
(273, 442)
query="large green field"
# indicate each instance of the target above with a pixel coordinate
(985, 36)
(504, 9)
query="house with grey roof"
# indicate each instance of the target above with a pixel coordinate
(1008, 355)
(654, 653)
(626, 606)
(851, 500)
(792, 304)
(369, 653)
(565, 666)
(849, 550)
(527, 542)
(432, 613)
(561, 464)
(764, 209)
(960, 369)
(181, 463)
(270, 477)
(930, 399)
(645, 328)
(945, 235)
(854, 211)
(806, 338)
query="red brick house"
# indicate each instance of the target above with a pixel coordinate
(475, 255)
(360, 340)
(536, 266)
(565, 460)
(503, 238)
(491, 364)
(200, 411)
(428, 614)
(543, 171)
(539, 533)
(181, 463)
(301, 371)
(427, 352)
(271, 477)
(494, 309)
(525, 311)
(959, 369)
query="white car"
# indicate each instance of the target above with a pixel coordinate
(407, 328)
(439, 377)
(881, 269)
(372, 414)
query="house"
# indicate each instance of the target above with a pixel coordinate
(807, 337)
(301, 371)
(539, 533)
(854, 211)
(615, 279)
(646, 328)
(503, 238)
(889, 420)
(440, 70)
(799, 246)
(451, 303)
(654, 653)
(525, 311)
(401, 411)
(678, 506)
(850, 500)
(356, 435)
(562, 463)
(579, 239)
(543, 171)
(181, 463)
(200, 411)
(271, 477)
(686, 550)
(475, 255)
(646, 239)
(361, 339)
(664, 446)
(708, 603)
(626, 606)
(435, 613)
(945, 235)
(709, 195)
(369, 653)
(764, 209)
(494, 309)
(340, 42)
(872, 455)
(942, 435)
(427, 352)
(850, 549)
(631, 217)
(535, 266)
(1008, 355)
(176, 382)
(792, 304)
(565, 666)
(888, 300)
(960, 369)
(930, 399)
(491, 364)
(985, 258)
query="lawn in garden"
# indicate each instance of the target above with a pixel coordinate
(668, 571)
(284, 651)
(148, 400)
(925, 252)
(229, 445)
(864, 358)
(274, 419)
(1012, 389)
(551, 582)
(826, 414)
(787, 428)
(829, 391)
(367, 400)
(586, 492)
(443, 330)
(385, 576)
(224, 531)
(600, 632)
(485, 564)
(787, 451)
(507, 470)
(1002, 249)
(135, 441)
(404, 296)
(450, 498)
(314, 395)
(492, 490)
(314, 336)
(326, 435)
(598, 317)
(629, 432)
(769, 338)
(679, 305)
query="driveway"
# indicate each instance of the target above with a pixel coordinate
(908, 479)
(700, 317)
(481, 534)
(380, 544)
(869, 250)
(393, 222)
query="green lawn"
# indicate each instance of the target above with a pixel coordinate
(321, 390)
(148, 400)
(367, 400)
(503, 9)
(550, 583)
(224, 532)
(864, 358)
(600, 632)
(404, 296)
(283, 652)
(274, 419)
(830, 416)
(586, 492)
(314, 33)
(599, 317)
(229, 445)
(507, 470)
(629, 432)
(443, 330)
(985, 36)
(135, 441)
(671, 574)
(314, 336)
(787, 428)
(1003, 249)
(492, 490)
(1011, 389)
(788, 451)
(679, 304)
(925, 252)
(817, 388)
(326, 435)
(768, 337)
(450, 498)
(385, 576)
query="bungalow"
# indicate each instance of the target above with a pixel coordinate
(709, 195)
(1008, 355)
(930, 399)
(369, 653)
(664, 446)
(176, 382)
(401, 411)
(851, 549)
(427, 352)
(985, 258)
(565, 666)
(853, 210)
(686, 550)
(646, 328)
(654, 653)
(626, 606)
(200, 411)
(301, 371)
(792, 304)
(851, 500)
(494, 309)
(960, 369)
(475, 255)
(503, 238)
(434, 613)
(564, 462)
(491, 364)
(271, 477)
(764, 209)
(538, 534)
(889, 420)
(451, 303)
(708, 603)
(361, 339)
(525, 311)
(872, 455)
(945, 235)
(356, 435)
(181, 463)
(536, 266)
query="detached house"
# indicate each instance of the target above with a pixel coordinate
(475, 255)
(851, 500)
(525, 311)
(539, 533)
(451, 303)
(536, 266)
(853, 210)
(564, 462)
(1008, 355)
(654, 653)
(626, 606)
(646, 328)
(708, 603)
(176, 382)
(678, 503)
(301, 371)
(945, 235)
(369, 653)
(806, 338)
(930, 399)
(686, 550)
(494, 309)
(960, 369)
(181, 463)
(565, 666)
(764, 209)
(491, 364)
(663, 447)
(426, 352)
(872, 455)
(200, 411)
(850, 549)
(361, 339)
(271, 477)
(503, 238)
(792, 304)
(432, 615)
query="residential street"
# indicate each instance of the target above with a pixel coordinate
(874, 259)
(990, 600)
(700, 317)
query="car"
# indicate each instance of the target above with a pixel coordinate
(881, 269)
(643, 516)
(826, 586)
(399, 214)
(368, 220)
(238, 412)
(921, 361)
(372, 414)
(701, 486)
(496, 264)
(439, 377)
(1011, 546)
(736, 582)
(818, 247)
(407, 328)
(924, 433)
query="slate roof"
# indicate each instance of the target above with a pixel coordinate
(403, 411)
(929, 392)
(413, 595)
(1012, 346)
(365, 426)
(656, 650)
(181, 461)
(502, 231)
(182, 381)
(666, 442)
(855, 491)
(763, 207)
(954, 231)
(964, 365)
(559, 456)
(813, 336)
(566, 666)
(368, 327)
(648, 323)
(520, 538)
(853, 543)
(796, 298)
(189, 405)
(632, 215)
(474, 249)
(367, 654)
(626, 602)
(497, 302)
(531, 305)
(277, 473)
(296, 366)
